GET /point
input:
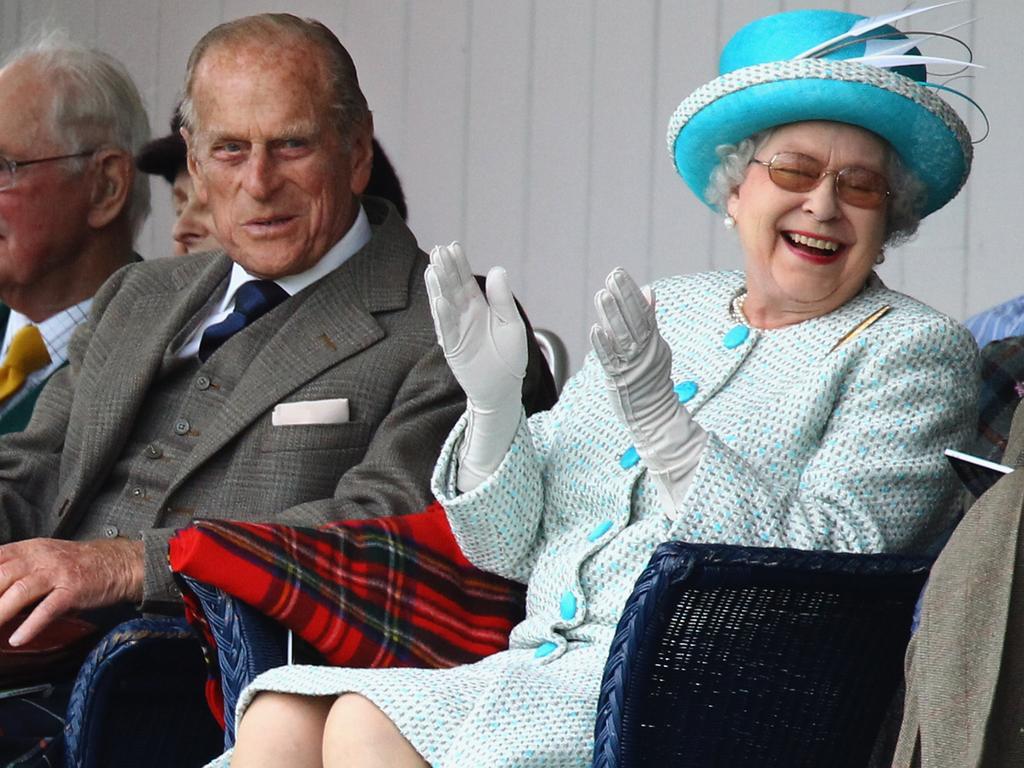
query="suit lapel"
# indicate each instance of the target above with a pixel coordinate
(333, 321)
(134, 360)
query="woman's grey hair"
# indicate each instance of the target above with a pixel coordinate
(906, 198)
(275, 29)
(95, 105)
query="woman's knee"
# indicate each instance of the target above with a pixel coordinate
(279, 724)
(357, 728)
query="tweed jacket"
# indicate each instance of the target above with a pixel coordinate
(964, 703)
(362, 332)
(809, 445)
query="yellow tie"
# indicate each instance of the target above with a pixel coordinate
(27, 354)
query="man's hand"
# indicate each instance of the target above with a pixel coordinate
(65, 576)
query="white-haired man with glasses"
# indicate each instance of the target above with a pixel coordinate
(69, 203)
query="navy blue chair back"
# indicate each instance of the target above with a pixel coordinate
(736, 656)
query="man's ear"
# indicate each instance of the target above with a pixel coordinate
(112, 175)
(194, 169)
(361, 157)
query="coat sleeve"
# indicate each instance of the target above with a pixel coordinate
(30, 460)
(877, 479)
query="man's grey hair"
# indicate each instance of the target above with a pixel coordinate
(95, 105)
(275, 30)
(906, 198)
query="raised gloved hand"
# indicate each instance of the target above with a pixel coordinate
(638, 374)
(484, 341)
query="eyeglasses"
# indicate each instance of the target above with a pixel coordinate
(856, 186)
(8, 168)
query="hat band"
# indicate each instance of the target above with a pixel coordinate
(820, 69)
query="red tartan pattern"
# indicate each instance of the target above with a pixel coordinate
(386, 592)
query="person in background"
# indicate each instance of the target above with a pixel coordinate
(70, 203)
(166, 157)
(999, 322)
(71, 206)
(795, 403)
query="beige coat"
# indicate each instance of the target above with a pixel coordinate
(965, 665)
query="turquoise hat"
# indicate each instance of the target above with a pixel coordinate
(761, 85)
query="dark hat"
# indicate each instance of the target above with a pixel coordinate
(164, 156)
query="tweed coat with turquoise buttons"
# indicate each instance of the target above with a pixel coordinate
(808, 446)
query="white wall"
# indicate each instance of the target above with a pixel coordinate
(533, 131)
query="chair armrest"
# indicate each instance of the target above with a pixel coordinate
(137, 692)
(246, 643)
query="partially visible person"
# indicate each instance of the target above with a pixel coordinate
(70, 207)
(965, 664)
(166, 157)
(999, 322)
(796, 403)
(70, 204)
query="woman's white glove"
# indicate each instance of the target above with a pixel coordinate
(484, 342)
(638, 374)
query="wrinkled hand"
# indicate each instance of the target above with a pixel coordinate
(637, 361)
(484, 340)
(65, 576)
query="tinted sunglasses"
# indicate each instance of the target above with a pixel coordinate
(855, 186)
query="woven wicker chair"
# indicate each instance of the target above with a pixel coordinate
(734, 656)
(138, 700)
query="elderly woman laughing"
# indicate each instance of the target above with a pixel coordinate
(796, 403)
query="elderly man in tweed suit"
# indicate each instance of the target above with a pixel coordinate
(293, 378)
(965, 665)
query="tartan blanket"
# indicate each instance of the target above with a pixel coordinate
(384, 592)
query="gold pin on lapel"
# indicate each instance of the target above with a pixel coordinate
(862, 326)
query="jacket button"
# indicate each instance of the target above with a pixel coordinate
(736, 336)
(630, 458)
(153, 452)
(599, 530)
(567, 606)
(138, 493)
(686, 391)
(181, 427)
(544, 649)
(111, 531)
(202, 383)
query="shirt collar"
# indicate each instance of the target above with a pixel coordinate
(357, 236)
(56, 330)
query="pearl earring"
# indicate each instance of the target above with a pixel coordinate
(729, 222)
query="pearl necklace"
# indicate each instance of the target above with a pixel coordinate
(736, 309)
(737, 314)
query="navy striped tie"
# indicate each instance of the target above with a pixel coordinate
(253, 300)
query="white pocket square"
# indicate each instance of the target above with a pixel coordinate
(310, 412)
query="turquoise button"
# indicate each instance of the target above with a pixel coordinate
(629, 458)
(736, 336)
(568, 605)
(599, 531)
(545, 649)
(686, 390)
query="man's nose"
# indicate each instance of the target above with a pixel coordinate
(260, 177)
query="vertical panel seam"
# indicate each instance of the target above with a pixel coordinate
(588, 182)
(467, 96)
(527, 192)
